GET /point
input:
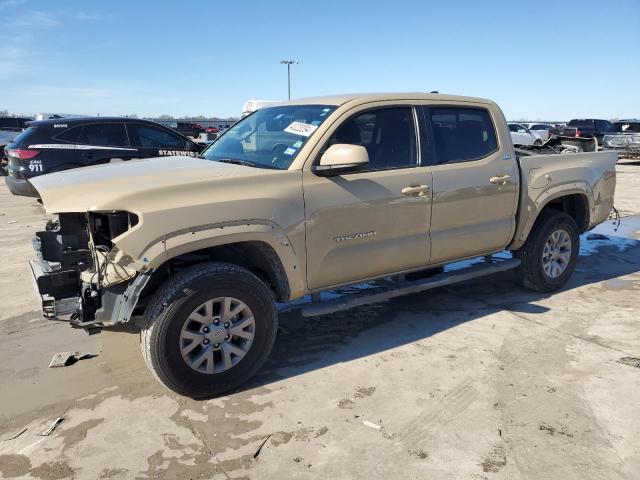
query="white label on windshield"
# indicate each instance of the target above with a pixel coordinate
(299, 128)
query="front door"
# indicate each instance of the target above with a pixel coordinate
(376, 221)
(474, 183)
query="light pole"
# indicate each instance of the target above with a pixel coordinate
(288, 63)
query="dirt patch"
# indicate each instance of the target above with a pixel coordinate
(496, 459)
(346, 404)
(364, 392)
(52, 471)
(631, 361)
(200, 466)
(14, 465)
(421, 454)
(108, 473)
(78, 433)
(549, 430)
(321, 432)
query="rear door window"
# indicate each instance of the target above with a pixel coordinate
(148, 136)
(70, 135)
(462, 134)
(104, 134)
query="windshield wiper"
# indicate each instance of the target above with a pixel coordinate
(237, 162)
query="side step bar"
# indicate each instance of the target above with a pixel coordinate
(397, 289)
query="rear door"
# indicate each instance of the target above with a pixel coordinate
(152, 141)
(103, 142)
(474, 182)
(374, 221)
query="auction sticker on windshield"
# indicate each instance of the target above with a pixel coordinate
(299, 128)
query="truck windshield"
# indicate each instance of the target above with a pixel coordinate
(270, 137)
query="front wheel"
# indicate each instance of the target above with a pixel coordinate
(537, 143)
(208, 329)
(550, 253)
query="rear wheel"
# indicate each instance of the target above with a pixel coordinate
(550, 253)
(537, 143)
(208, 329)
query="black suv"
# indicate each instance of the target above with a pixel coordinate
(59, 144)
(592, 127)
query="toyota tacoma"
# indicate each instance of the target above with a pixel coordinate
(299, 198)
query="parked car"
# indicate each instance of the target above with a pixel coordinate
(13, 124)
(562, 130)
(627, 126)
(591, 127)
(10, 127)
(60, 144)
(626, 144)
(188, 129)
(541, 130)
(301, 198)
(521, 135)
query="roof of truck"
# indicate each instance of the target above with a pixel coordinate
(376, 97)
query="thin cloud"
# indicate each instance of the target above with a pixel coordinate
(35, 19)
(85, 17)
(5, 4)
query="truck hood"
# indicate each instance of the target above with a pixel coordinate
(117, 186)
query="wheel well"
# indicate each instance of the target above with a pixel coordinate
(257, 257)
(576, 206)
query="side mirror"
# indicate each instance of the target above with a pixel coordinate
(341, 158)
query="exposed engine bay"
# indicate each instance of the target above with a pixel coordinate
(75, 272)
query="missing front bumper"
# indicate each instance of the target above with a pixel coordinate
(57, 292)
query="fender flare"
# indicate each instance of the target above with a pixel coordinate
(200, 237)
(526, 219)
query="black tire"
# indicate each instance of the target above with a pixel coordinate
(174, 301)
(537, 143)
(531, 272)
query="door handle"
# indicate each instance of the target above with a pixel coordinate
(500, 179)
(419, 190)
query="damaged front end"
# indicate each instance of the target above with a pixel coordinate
(81, 276)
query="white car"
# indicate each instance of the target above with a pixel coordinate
(540, 129)
(521, 135)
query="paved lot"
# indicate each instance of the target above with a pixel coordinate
(484, 380)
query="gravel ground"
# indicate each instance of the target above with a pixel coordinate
(479, 381)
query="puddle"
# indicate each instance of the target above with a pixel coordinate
(624, 237)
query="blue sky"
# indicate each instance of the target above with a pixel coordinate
(539, 60)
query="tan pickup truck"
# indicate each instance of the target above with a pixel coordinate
(298, 198)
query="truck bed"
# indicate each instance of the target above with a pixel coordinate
(545, 177)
